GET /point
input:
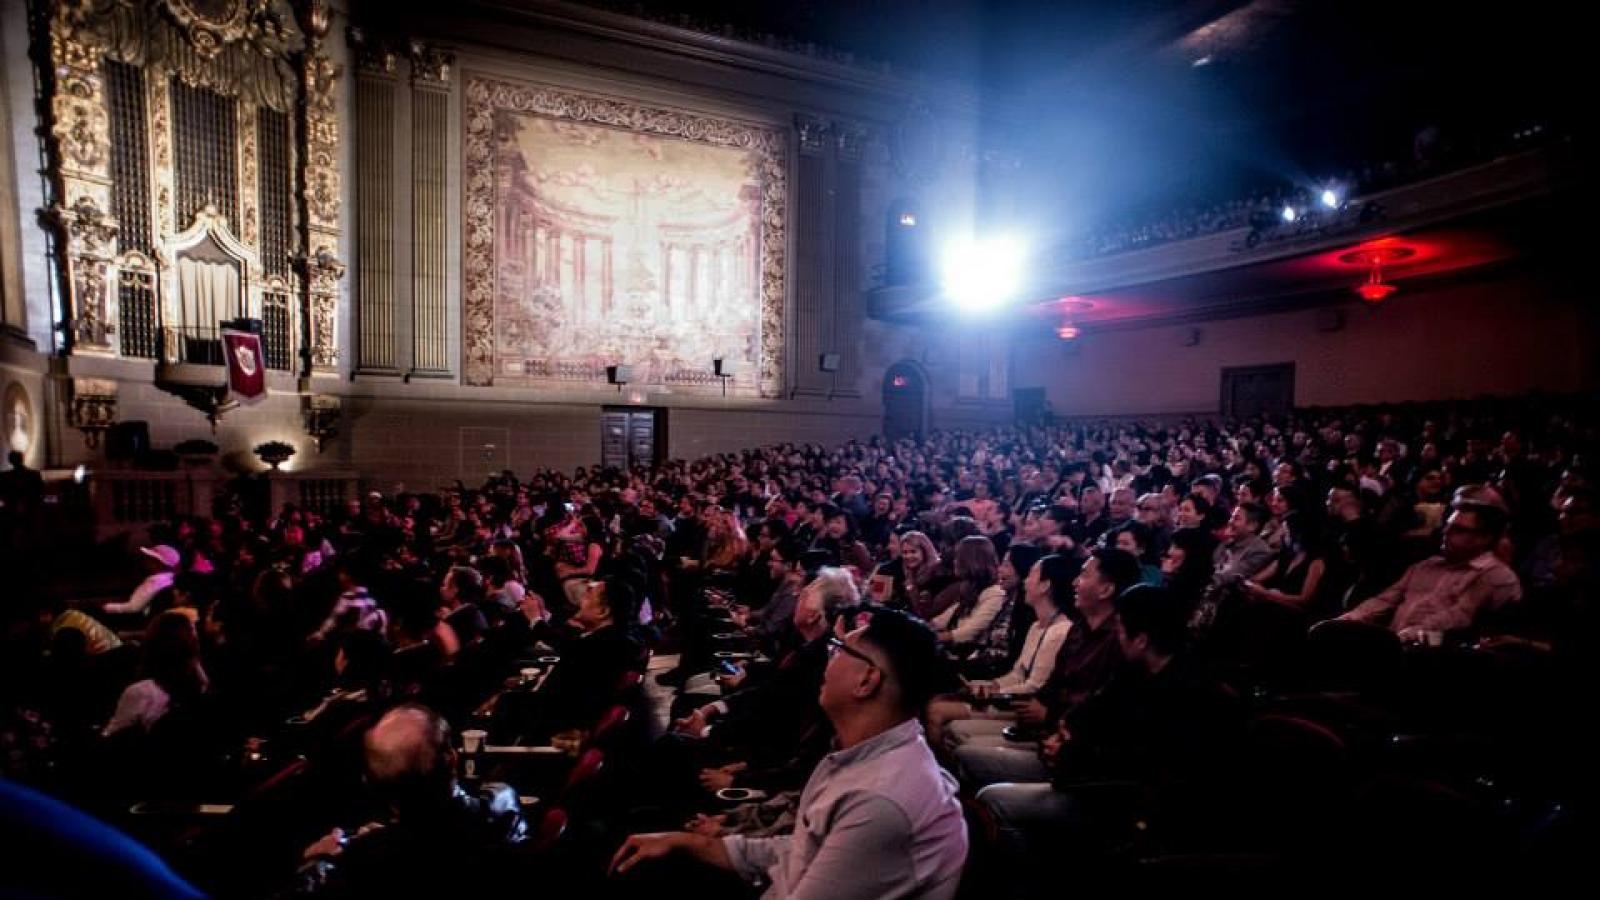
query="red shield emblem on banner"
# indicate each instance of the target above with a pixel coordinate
(247, 375)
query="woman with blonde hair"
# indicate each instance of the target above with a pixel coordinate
(920, 572)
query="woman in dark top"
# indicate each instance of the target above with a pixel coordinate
(1300, 570)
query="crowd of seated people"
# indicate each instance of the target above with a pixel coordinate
(1133, 645)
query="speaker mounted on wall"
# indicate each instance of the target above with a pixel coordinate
(828, 362)
(619, 375)
(726, 368)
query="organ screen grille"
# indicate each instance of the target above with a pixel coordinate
(203, 132)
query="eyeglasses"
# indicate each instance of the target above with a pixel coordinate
(836, 646)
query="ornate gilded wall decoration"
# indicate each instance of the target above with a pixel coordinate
(596, 231)
(249, 187)
(257, 54)
(321, 269)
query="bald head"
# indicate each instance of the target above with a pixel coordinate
(408, 753)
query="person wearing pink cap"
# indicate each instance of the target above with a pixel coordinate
(161, 562)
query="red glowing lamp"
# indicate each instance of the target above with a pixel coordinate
(1068, 332)
(1375, 292)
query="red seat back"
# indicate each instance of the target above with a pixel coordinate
(552, 825)
(610, 726)
(584, 775)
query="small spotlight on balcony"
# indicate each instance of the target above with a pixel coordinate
(908, 220)
(1330, 198)
(1290, 214)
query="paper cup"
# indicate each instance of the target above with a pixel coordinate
(472, 739)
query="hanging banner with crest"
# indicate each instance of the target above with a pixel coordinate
(247, 370)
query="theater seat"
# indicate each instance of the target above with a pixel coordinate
(1355, 656)
(548, 831)
(610, 728)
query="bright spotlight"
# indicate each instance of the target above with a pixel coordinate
(80, 474)
(1330, 198)
(980, 274)
(1289, 214)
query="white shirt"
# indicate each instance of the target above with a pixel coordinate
(875, 822)
(142, 703)
(977, 622)
(1037, 661)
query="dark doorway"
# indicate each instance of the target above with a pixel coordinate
(630, 436)
(905, 399)
(1028, 405)
(1249, 391)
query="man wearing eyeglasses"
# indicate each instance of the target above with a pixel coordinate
(1450, 591)
(878, 817)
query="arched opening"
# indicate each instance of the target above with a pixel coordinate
(905, 400)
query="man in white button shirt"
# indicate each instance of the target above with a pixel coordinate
(878, 817)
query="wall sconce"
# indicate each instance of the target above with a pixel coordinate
(94, 408)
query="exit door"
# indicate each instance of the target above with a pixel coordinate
(631, 436)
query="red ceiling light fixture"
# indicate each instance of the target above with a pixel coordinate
(1375, 290)
(1070, 308)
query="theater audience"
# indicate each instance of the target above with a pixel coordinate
(440, 575)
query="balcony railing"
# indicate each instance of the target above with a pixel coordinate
(203, 346)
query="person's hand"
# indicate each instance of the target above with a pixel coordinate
(1032, 712)
(329, 845)
(717, 779)
(641, 847)
(693, 725)
(533, 607)
(703, 824)
(1050, 748)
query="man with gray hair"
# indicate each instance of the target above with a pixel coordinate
(438, 835)
(761, 725)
